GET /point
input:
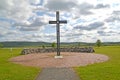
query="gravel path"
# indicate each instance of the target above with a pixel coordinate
(57, 74)
(68, 60)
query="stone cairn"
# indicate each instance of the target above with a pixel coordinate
(49, 50)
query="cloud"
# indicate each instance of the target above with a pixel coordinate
(96, 24)
(45, 37)
(85, 8)
(116, 12)
(34, 1)
(115, 16)
(34, 25)
(99, 6)
(4, 28)
(108, 33)
(112, 19)
(1, 35)
(15, 9)
(102, 33)
(92, 26)
(29, 29)
(64, 5)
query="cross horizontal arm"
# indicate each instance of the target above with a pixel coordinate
(52, 22)
(63, 21)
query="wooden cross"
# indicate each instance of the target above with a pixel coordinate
(58, 22)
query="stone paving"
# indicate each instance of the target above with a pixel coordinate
(57, 74)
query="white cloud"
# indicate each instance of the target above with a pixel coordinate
(15, 9)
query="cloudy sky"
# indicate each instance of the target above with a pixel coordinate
(88, 20)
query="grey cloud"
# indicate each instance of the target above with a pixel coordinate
(59, 5)
(1, 35)
(99, 6)
(36, 36)
(111, 32)
(103, 28)
(2, 4)
(85, 8)
(80, 27)
(78, 34)
(96, 24)
(37, 22)
(11, 32)
(2, 32)
(85, 12)
(29, 28)
(100, 32)
(116, 12)
(8, 33)
(103, 33)
(91, 26)
(72, 34)
(52, 36)
(65, 5)
(115, 16)
(34, 26)
(44, 35)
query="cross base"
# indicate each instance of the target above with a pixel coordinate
(58, 57)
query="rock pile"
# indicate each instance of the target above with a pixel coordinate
(48, 50)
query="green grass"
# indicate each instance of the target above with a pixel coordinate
(11, 71)
(109, 70)
(100, 71)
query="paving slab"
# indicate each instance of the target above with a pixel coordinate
(57, 74)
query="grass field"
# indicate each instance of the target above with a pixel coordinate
(101, 71)
(109, 70)
(10, 71)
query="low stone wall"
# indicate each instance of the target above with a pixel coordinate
(48, 50)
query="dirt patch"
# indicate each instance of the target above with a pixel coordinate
(68, 60)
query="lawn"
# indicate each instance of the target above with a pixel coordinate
(101, 71)
(10, 71)
(109, 70)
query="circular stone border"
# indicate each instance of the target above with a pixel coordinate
(70, 59)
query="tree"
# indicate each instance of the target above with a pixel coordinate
(43, 46)
(53, 45)
(98, 43)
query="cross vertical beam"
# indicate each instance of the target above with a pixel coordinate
(58, 33)
(58, 22)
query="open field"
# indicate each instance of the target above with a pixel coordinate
(109, 70)
(10, 71)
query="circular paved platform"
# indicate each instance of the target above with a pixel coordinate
(69, 59)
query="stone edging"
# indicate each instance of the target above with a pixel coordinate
(48, 50)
